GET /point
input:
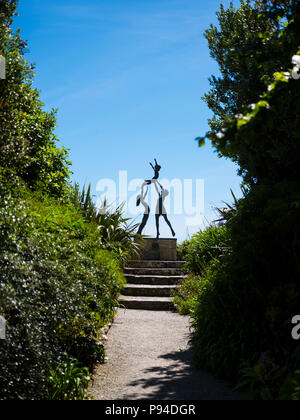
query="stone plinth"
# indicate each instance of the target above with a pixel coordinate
(160, 250)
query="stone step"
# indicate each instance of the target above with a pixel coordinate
(155, 264)
(147, 303)
(148, 290)
(154, 280)
(153, 271)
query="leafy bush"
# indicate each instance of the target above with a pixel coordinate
(255, 291)
(185, 297)
(245, 308)
(116, 234)
(291, 387)
(182, 250)
(205, 248)
(202, 252)
(58, 287)
(68, 381)
(254, 99)
(267, 380)
(28, 144)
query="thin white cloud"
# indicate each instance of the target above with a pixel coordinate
(170, 25)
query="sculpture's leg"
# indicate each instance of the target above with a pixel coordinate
(157, 225)
(169, 224)
(143, 224)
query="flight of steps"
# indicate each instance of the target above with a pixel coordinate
(150, 284)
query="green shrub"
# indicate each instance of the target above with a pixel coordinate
(58, 287)
(266, 380)
(115, 231)
(182, 250)
(290, 390)
(245, 310)
(68, 381)
(205, 248)
(28, 144)
(251, 297)
(185, 297)
(202, 252)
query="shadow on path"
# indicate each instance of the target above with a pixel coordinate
(176, 378)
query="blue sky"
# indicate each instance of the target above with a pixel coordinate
(127, 77)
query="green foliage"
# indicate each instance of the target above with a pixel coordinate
(116, 234)
(83, 201)
(228, 212)
(68, 381)
(265, 147)
(205, 248)
(27, 139)
(58, 288)
(268, 381)
(182, 250)
(291, 388)
(262, 381)
(201, 253)
(248, 299)
(240, 53)
(255, 291)
(249, 47)
(276, 9)
(185, 297)
(276, 151)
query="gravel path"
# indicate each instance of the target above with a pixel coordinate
(149, 358)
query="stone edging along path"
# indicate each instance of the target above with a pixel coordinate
(149, 358)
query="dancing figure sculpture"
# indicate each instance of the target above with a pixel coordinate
(141, 200)
(156, 170)
(160, 209)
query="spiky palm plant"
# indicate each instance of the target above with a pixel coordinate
(228, 212)
(117, 233)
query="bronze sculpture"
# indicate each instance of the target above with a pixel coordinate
(141, 199)
(160, 208)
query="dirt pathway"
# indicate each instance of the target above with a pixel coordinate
(149, 359)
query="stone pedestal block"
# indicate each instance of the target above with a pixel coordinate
(160, 250)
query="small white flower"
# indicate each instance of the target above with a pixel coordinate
(270, 87)
(220, 135)
(253, 106)
(296, 60)
(287, 75)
